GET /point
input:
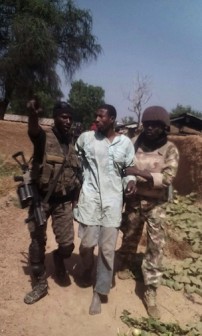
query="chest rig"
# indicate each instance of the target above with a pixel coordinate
(60, 167)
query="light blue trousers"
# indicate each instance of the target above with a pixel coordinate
(106, 239)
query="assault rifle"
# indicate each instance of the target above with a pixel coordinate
(27, 191)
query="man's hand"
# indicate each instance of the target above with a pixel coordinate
(33, 107)
(130, 189)
(33, 121)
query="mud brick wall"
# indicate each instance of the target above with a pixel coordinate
(189, 176)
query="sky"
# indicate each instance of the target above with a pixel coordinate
(157, 39)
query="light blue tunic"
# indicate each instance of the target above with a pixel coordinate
(101, 197)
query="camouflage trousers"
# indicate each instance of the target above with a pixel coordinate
(151, 213)
(62, 225)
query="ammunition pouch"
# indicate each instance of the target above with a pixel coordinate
(68, 179)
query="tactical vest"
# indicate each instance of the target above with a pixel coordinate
(154, 162)
(54, 160)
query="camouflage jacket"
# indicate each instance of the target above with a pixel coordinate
(56, 157)
(162, 163)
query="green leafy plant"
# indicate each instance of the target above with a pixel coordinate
(148, 327)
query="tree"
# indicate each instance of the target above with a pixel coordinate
(35, 37)
(140, 96)
(184, 109)
(85, 99)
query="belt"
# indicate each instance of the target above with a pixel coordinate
(57, 197)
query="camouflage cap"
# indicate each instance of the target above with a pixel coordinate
(156, 113)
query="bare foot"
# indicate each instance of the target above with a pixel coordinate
(95, 307)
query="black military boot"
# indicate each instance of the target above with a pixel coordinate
(62, 276)
(39, 290)
(125, 272)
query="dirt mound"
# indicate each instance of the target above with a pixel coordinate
(177, 250)
(14, 138)
(189, 176)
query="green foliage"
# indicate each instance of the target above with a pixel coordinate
(148, 326)
(45, 99)
(184, 275)
(182, 109)
(85, 99)
(184, 218)
(36, 36)
(7, 171)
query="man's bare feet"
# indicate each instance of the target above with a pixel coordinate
(95, 307)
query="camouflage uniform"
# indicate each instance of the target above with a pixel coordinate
(148, 206)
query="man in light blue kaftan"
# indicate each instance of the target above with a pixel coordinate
(104, 155)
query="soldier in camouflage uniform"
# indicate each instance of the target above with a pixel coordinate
(54, 163)
(155, 167)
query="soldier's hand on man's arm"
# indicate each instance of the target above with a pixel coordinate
(130, 189)
(131, 171)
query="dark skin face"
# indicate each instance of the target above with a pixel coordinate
(105, 125)
(103, 121)
(153, 129)
(63, 123)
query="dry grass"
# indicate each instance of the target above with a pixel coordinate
(14, 138)
(7, 171)
(6, 185)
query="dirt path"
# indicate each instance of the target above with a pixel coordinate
(64, 312)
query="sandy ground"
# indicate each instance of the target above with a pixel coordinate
(64, 311)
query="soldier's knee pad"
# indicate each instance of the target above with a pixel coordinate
(37, 269)
(36, 252)
(66, 251)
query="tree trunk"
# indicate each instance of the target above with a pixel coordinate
(3, 107)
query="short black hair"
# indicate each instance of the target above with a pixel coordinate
(62, 107)
(110, 109)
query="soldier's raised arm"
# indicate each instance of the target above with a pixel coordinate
(33, 117)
